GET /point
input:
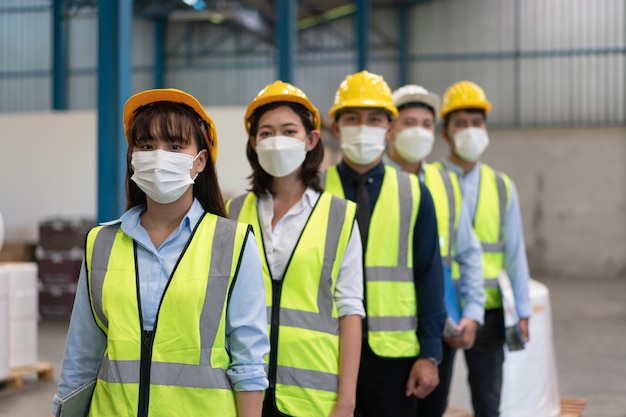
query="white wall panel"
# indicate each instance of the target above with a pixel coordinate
(557, 24)
(82, 48)
(460, 26)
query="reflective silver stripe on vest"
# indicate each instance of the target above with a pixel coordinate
(305, 378)
(99, 262)
(447, 182)
(235, 206)
(185, 375)
(391, 323)
(162, 373)
(489, 282)
(502, 200)
(390, 273)
(322, 321)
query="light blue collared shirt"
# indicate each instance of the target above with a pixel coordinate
(469, 256)
(515, 262)
(246, 319)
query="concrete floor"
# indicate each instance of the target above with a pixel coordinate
(589, 323)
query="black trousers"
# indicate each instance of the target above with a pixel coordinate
(381, 387)
(484, 367)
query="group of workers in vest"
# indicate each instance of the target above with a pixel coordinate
(338, 293)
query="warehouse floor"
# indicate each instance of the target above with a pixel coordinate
(589, 324)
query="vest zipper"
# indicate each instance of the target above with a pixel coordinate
(147, 340)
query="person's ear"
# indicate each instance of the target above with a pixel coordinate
(201, 160)
(312, 140)
(335, 128)
(252, 142)
(391, 134)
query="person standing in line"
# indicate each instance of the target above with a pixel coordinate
(169, 314)
(403, 288)
(411, 141)
(492, 203)
(312, 259)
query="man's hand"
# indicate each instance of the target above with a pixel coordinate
(467, 328)
(523, 326)
(423, 379)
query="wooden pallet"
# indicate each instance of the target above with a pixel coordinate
(572, 407)
(41, 371)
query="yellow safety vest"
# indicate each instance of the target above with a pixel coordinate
(302, 315)
(494, 196)
(446, 192)
(390, 293)
(184, 372)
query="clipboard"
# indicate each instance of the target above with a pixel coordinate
(76, 403)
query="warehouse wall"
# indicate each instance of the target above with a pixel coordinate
(570, 182)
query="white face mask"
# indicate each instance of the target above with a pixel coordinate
(164, 176)
(414, 143)
(279, 156)
(362, 144)
(470, 143)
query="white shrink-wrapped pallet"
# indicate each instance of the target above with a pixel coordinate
(530, 384)
(23, 313)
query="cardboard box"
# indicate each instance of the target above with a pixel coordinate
(58, 272)
(64, 234)
(56, 301)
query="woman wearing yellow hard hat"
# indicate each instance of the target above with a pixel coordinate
(164, 320)
(312, 263)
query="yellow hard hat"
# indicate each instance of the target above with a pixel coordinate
(171, 95)
(464, 95)
(281, 91)
(363, 89)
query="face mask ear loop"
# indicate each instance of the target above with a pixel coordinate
(194, 160)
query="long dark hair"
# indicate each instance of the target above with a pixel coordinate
(174, 122)
(261, 181)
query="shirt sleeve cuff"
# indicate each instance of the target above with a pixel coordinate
(254, 379)
(350, 307)
(431, 348)
(474, 312)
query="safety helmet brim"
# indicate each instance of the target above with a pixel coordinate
(171, 95)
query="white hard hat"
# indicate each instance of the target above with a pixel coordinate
(412, 93)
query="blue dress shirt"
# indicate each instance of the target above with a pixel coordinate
(515, 262)
(246, 320)
(427, 267)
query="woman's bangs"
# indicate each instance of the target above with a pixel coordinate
(172, 125)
